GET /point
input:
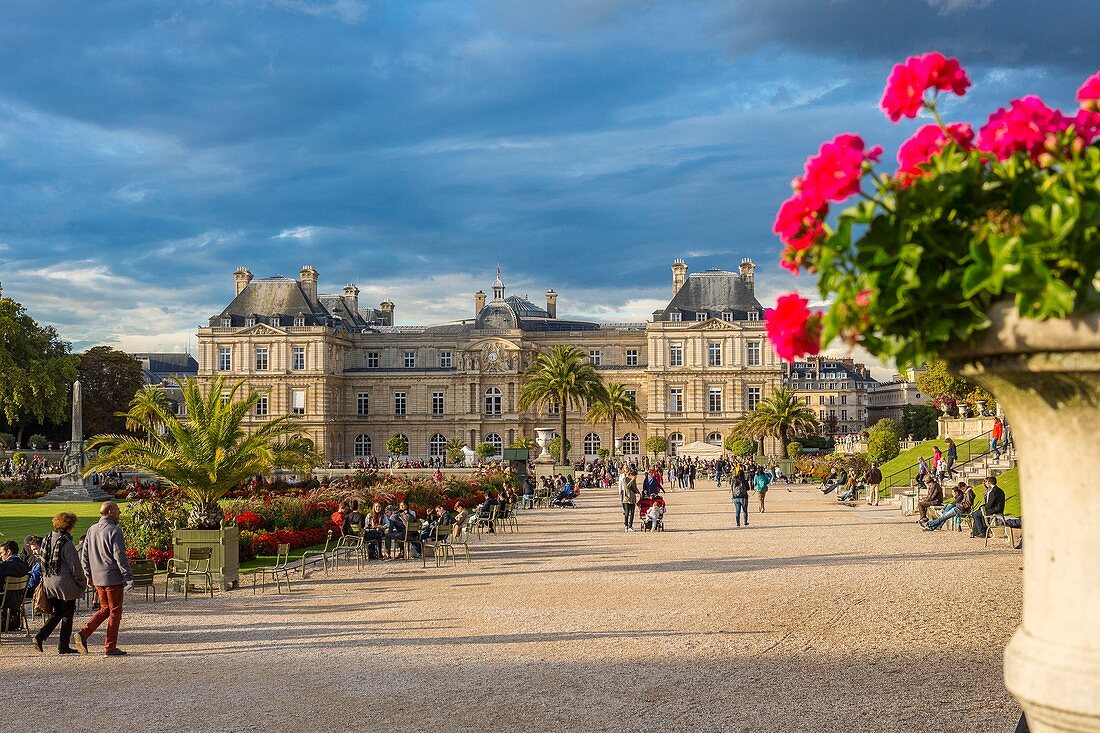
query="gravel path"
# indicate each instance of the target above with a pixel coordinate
(817, 618)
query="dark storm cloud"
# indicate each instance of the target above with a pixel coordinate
(584, 143)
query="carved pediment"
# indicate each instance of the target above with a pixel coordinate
(263, 329)
(715, 324)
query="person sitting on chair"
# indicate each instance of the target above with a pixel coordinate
(994, 504)
(960, 504)
(12, 566)
(932, 497)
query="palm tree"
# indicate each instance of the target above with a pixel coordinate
(149, 401)
(563, 377)
(781, 415)
(523, 441)
(454, 449)
(209, 454)
(613, 405)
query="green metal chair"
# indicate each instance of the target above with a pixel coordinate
(145, 573)
(350, 546)
(412, 537)
(197, 565)
(322, 555)
(279, 572)
(15, 586)
(437, 544)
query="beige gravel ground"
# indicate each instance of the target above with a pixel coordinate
(817, 618)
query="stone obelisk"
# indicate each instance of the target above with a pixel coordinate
(74, 487)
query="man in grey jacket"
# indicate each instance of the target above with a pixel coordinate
(103, 557)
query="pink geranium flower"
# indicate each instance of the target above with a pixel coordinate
(1026, 126)
(1089, 93)
(835, 173)
(907, 83)
(800, 222)
(793, 328)
(928, 141)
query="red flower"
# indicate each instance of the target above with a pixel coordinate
(863, 298)
(1089, 93)
(800, 222)
(1087, 126)
(907, 83)
(928, 141)
(793, 328)
(836, 172)
(1026, 126)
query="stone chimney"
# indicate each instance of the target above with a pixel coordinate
(748, 270)
(307, 276)
(387, 312)
(479, 302)
(552, 303)
(351, 297)
(242, 277)
(679, 275)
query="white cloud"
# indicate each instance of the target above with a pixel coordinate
(346, 11)
(298, 233)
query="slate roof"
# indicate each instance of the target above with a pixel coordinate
(276, 297)
(156, 367)
(715, 292)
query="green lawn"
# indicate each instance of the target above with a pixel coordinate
(909, 458)
(21, 517)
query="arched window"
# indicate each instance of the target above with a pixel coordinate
(362, 446)
(492, 401)
(631, 444)
(408, 444)
(674, 442)
(715, 439)
(494, 440)
(437, 446)
(591, 444)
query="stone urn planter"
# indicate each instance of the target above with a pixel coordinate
(1047, 376)
(543, 437)
(225, 546)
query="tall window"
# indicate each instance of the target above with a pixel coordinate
(594, 356)
(362, 404)
(372, 360)
(437, 446)
(676, 399)
(821, 399)
(399, 400)
(261, 406)
(249, 322)
(632, 395)
(832, 399)
(592, 444)
(362, 446)
(752, 398)
(297, 401)
(446, 359)
(437, 403)
(674, 442)
(714, 353)
(821, 414)
(410, 359)
(492, 401)
(714, 439)
(227, 323)
(299, 321)
(843, 414)
(553, 408)
(261, 358)
(494, 440)
(675, 355)
(754, 353)
(844, 399)
(714, 399)
(225, 359)
(632, 357)
(298, 358)
(631, 444)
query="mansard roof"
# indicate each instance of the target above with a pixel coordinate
(273, 297)
(713, 292)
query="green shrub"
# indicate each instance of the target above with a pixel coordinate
(148, 522)
(656, 444)
(485, 450)
(397, 446)
(741, 447)
(794, 449)
(884, 440)
(38, 441)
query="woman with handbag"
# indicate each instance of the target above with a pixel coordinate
(63, 582)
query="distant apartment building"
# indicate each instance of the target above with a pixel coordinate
(837, 390)
(887, 399)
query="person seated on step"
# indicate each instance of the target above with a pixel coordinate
(933, 496)
(961, 502)
(12, 566)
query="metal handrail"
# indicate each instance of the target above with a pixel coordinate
(910, 471)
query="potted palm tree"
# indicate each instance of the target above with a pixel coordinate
(613, 404)
(563, 377)
(982, 249)
(204, 456)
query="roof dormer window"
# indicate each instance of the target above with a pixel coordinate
(227, 322)
(727, 316)
(249, 322)
(300, 321)
(754, 315)
(674, 316)
(701, 316)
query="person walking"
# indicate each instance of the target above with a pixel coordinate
(740, 493)
(760, 485)
(872, 480)
(63, 580)
(103, 559)
(630, 500)
(995, 438)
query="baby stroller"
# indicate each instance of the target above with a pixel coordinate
(563, 499)
(652, 520)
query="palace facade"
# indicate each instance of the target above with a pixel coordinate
(357, 379)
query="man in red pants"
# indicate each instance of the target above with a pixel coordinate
(103, 556)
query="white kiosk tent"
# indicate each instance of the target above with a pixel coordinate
(699, 449)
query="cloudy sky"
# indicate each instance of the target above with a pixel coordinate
(148, 149)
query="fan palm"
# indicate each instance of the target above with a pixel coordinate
(209, 454)
(454, 449)
(149, 401)
(525, 442)
(613, 405)
(781, 415)
(564, 377)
